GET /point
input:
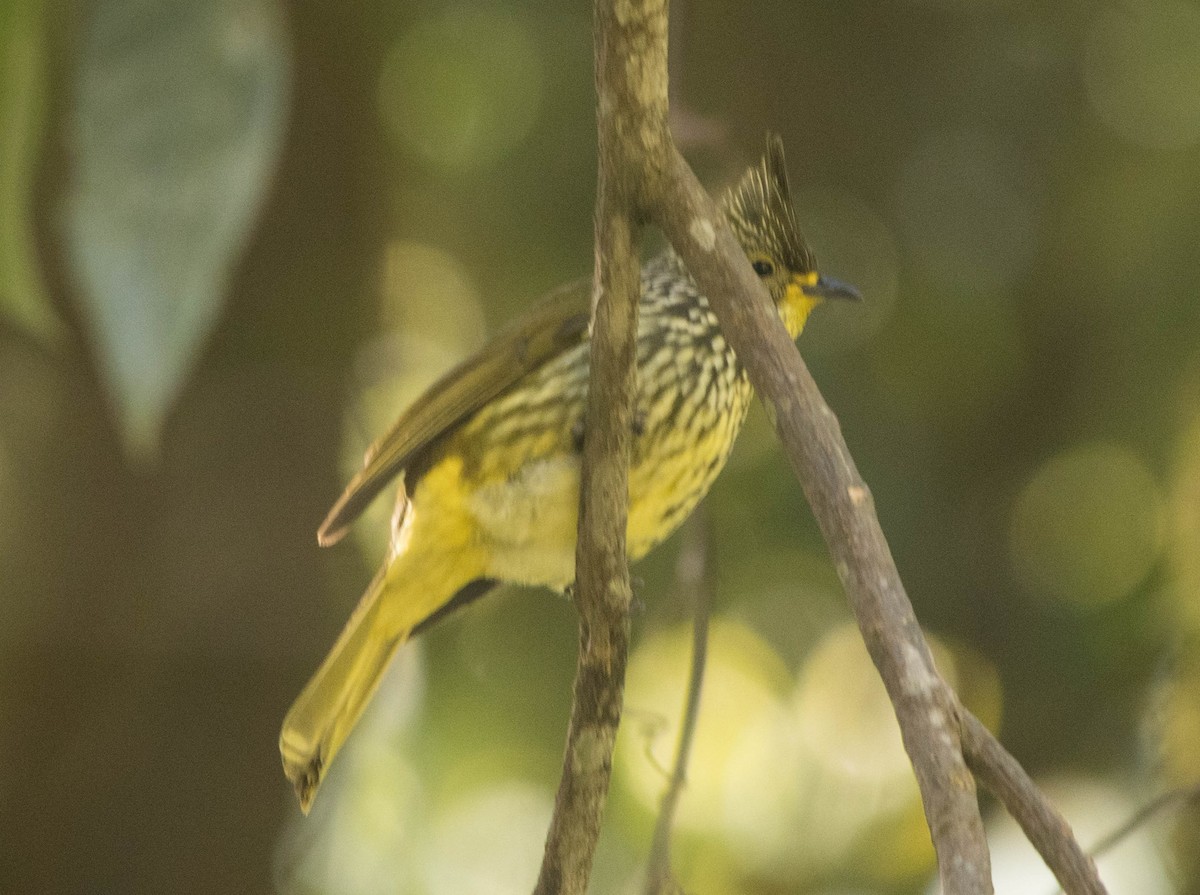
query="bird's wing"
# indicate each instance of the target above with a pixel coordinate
(558, 323)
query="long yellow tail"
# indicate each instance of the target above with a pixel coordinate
(408, 590)
(430, 562)
(326, 711)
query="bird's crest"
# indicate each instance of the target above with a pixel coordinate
(761, 213)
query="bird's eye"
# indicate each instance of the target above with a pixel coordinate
(763, 268)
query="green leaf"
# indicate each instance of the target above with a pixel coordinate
(178, 115)
(22, 110)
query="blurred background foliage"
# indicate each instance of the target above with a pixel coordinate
(235, 239)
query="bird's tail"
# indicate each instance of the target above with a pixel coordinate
(327, 709)
(430, 570)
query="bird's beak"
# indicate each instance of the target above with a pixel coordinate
(820, 287)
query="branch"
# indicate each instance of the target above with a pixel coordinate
(602, 592)
(1179, 796)
(1044, 826)
(937, 731)
(631, 117)
(641, 174)
(842, 505)
(691, 577)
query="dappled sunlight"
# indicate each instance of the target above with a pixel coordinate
(823, 767)
(831, 772)
(845, 718)
(745, 680)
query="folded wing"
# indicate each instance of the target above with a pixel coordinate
(557, 324)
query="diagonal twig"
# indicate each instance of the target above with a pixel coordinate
(842, 505)
(1043, 825)
(1169, 799)
(692, 577)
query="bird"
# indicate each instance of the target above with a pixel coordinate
(489, 457)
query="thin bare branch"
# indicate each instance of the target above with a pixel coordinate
(602, 591)
(842, 505)
(692, 578)
(1044, 826)
(631, 116)
(1169, 799)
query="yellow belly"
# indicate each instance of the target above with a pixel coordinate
(525, 521)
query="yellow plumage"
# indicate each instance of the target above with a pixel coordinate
(490, 457)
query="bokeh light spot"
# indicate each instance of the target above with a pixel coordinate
(428, 292)
(767, 791)
(461, 89)
(1142, 72)
(1173, 723)
(744, 681)
(1088, 526)
(490, 842)
(846, 719)
(831, 763)
(969, 210)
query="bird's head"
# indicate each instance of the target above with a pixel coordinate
(762, 217)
